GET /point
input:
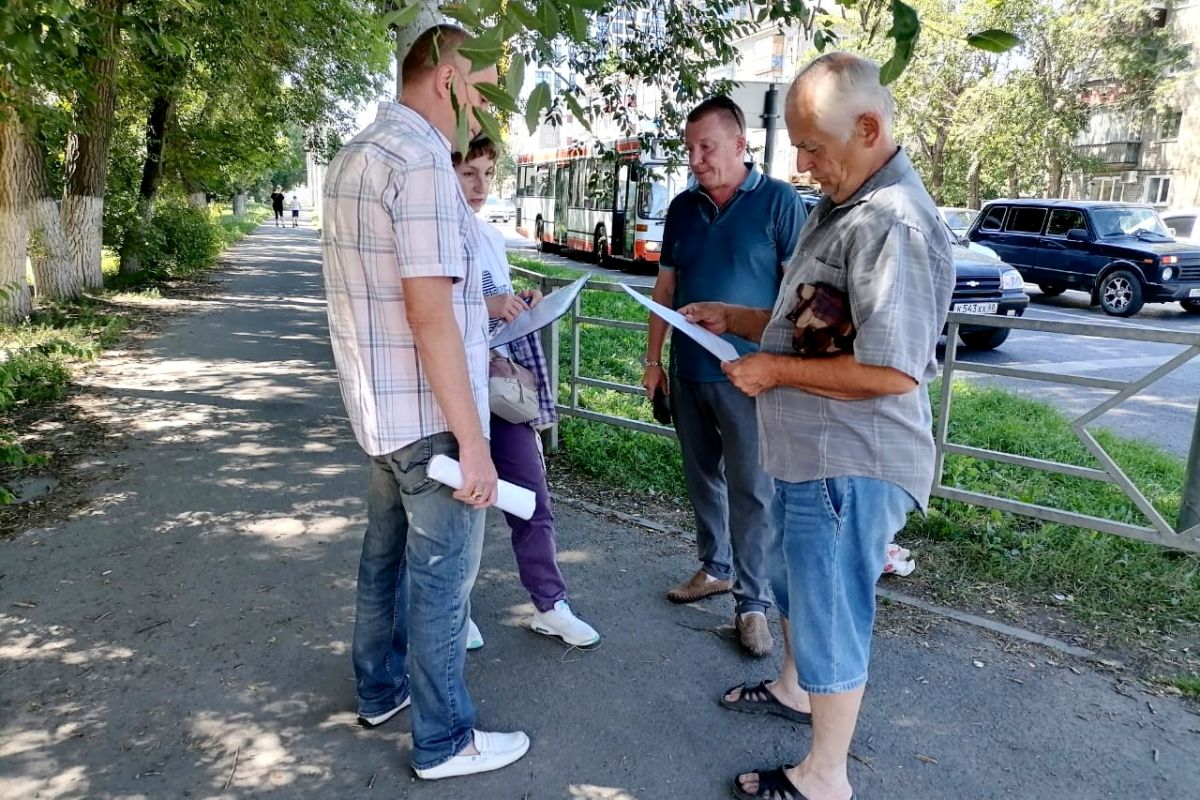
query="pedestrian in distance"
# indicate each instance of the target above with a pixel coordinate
(515, 445)
(725, 239)
(409, 327)
(846, 353)
(277, 205)
(295, 211)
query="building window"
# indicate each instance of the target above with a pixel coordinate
(1158, 190)
(1168, 125)
(1106, 189)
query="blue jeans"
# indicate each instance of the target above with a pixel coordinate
(730, 493)
(419, 560)
(833, 534)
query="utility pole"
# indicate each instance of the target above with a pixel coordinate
(770, 118)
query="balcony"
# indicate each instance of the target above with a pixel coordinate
(1113, 153)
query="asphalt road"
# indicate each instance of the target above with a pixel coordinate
(1162, 413)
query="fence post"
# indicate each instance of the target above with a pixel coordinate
(1189, 508)
(549, 336)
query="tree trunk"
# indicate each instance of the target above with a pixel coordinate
(973, 194)
(239, 204)
(152, 175)
(1054, 174)
(1014, 180)
(88, 145)
(426, 19)
(16, 303)
(198, 200)
(54, 273)
(937, 165)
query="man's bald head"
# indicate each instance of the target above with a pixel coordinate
(837, 89)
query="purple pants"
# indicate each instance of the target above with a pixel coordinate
(518, 460)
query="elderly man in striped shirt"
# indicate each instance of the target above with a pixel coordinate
(409, 331)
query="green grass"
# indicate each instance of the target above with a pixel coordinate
(1188, 684)
(966, 553)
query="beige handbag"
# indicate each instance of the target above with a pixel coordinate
(512, 390)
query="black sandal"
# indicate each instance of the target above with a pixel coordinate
(773, 784)
(759, 700)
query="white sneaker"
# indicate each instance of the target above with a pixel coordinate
(562, 623)
(379, 719)
(474, 637)
(496, 750)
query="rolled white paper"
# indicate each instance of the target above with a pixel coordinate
(516, 500)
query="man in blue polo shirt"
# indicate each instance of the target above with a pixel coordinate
(726, 239)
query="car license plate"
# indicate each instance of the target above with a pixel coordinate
(1193, 292)
(976, 308)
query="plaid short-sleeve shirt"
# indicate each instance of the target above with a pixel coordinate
(887, 252)
(393, 210)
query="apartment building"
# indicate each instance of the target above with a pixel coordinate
(1152, 156)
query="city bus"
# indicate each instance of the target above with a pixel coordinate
(606, 200)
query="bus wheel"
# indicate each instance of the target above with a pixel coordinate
(600, 245)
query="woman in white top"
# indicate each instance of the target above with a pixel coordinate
(516, 449)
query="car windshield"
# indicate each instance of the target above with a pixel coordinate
(1128, 221)
(959, 218)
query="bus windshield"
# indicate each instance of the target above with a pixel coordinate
(654, 195)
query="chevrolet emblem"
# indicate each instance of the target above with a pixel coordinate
(972, 284)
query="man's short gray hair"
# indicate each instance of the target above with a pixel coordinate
(844, 87)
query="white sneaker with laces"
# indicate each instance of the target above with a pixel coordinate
(496, 750)
(474, 637)
(562, 623)
(379, 719)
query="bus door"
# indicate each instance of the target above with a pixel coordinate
(620, 213)
(630, 188)
(562, 182)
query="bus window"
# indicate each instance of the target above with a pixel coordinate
(600, 189)
(544, 183)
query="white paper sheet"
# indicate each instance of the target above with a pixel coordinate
(516, 500)
(714, 344)
(553, 306)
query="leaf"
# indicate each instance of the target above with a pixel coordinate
(490, 8)
(403, 16)
(463, 13)
(589, 5)
(462, 125)
(491, 127)
(523, 15)
(514, 79)
(481, 52)
(578, 111)
(497, 96)
(539, 100)
(905, 22)
(994, 41)
(579, 24)
(547, 19)
(899, 60)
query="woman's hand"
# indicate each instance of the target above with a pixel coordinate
(531, 297)
(505, 307)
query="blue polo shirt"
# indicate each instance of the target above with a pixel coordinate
(734, 254)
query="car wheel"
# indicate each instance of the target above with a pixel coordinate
(1190, 306)
(599, 245)
(1120, 294)
(984, 340)
(1051, 289)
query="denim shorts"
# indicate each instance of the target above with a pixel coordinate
(833, 534)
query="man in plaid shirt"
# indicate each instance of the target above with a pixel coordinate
(409, 331)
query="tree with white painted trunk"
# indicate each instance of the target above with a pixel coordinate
(89, 139)
(16, 301)
(54, 277)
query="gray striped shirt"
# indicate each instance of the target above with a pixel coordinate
(887, 249)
